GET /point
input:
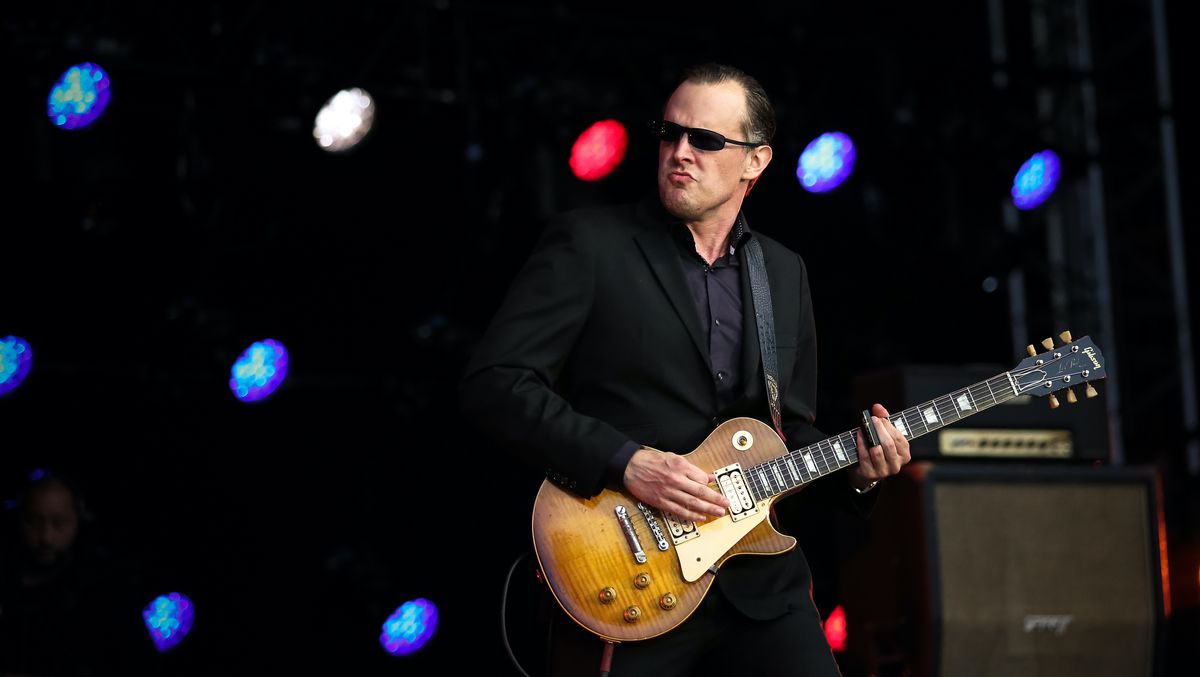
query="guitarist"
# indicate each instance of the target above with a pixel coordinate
(633, 326)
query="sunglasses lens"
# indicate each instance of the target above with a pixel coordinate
(701, 139)
(706, 140)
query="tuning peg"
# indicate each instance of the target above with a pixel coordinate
(1071, 396)
(1031, 350)
(1065, 336)
(1053, 401)
(1048, 343)
(1090, 391)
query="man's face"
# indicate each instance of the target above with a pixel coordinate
(696, 184)
(50, 523)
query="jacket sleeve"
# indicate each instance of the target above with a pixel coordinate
(508, 389)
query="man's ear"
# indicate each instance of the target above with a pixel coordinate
(760, 157)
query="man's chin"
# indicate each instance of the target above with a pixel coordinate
(676, 205)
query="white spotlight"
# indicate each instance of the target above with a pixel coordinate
(344, 120)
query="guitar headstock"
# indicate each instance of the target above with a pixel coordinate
(1069, 364)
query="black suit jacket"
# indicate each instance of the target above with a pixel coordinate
(598, 342)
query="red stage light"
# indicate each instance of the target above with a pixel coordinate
(835, 629)
(598, 150)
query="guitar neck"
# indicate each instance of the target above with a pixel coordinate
(798, 467)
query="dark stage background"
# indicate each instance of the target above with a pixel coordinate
(142, 255)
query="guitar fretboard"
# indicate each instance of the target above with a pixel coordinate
(800, 466)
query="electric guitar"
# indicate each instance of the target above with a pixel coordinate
(628, 572)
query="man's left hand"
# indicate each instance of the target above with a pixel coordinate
(880, 461)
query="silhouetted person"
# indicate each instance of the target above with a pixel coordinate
(64, 609)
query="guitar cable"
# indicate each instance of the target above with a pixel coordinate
(504, 614)
(606, 655)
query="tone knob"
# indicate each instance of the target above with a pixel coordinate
(632, 614)
(668, 601)
(642, 580)
(607, 595)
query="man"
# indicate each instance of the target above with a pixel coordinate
(65, 609)
(634, 326)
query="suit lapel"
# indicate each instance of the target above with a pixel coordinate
(663, 257)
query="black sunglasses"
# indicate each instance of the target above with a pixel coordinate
(700, 139)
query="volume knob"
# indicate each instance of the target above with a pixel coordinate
(607, 595)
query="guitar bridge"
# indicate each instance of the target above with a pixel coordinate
(733, 485)
(635, 546)
(655, 529)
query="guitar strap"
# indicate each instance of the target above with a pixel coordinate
(765, 319)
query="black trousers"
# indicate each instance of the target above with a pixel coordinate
(716, 640)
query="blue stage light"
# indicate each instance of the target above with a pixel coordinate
(259, 370)
(16, 359)
(1036, 180)
(826, 162)
(409, 627)
(79, 96)
(169, 618)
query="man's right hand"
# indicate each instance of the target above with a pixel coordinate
(671, 483)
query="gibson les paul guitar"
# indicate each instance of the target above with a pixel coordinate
(627, 572)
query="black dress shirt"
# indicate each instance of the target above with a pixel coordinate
(716, 290)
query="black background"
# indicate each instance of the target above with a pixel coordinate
(140, 256)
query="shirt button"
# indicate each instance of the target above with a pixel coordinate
(717, 322)
(715, 421)
(720, 376)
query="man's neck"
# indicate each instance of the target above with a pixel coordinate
(712, 234)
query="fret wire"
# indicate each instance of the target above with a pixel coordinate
(789, 463)
(801, 465)
(955, 414)
(757, 482)
(971, 399)
(825, 457)
(937, 414)
(773, 473)
(851, 448)
(765, 480)
(941, 418)
(990, 395)
(765, 476)
(819, 458)
(908, 423)
(984, 389)
(919, 412)
(783, 473)
(958, 410)
(905, 420)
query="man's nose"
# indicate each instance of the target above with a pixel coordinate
(681, 147)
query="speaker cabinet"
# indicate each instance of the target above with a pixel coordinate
(1008, 570)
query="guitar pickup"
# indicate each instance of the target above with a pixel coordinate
(732, 484)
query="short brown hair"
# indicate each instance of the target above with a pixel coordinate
(759, 124)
